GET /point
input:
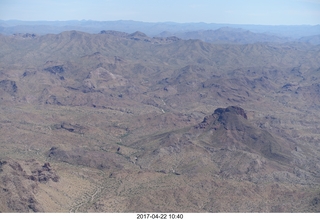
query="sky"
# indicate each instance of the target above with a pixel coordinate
(264, 12)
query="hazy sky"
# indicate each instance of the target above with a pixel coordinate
(272, 12)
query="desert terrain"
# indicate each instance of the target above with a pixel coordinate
(124, 122)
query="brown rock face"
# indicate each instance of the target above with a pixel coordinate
(223, 116)
(231, 109)
(44, 174)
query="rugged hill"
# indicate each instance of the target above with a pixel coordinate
(230, 35)
(118, 122)
(315, 39)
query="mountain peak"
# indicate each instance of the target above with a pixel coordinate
(232, 109)
(223, 116)
(229, 126)
(138, 34)
(114, 33)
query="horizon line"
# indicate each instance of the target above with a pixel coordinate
(174, 22)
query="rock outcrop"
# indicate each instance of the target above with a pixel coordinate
(55, 69)
(18, 188)
(84, 157)
(9, 86)
(43, 174)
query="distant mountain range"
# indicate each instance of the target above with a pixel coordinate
(218, 33)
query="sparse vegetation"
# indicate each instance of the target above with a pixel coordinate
(130, 123)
